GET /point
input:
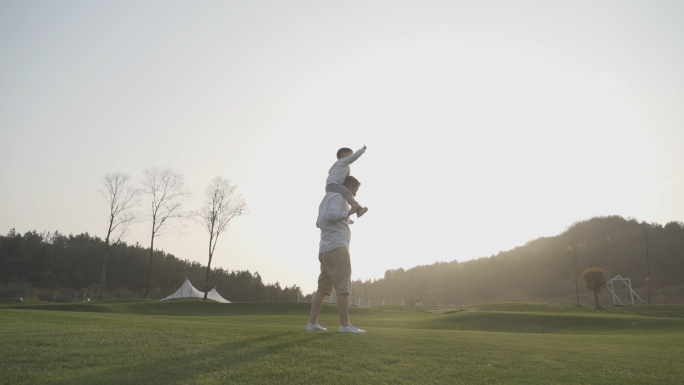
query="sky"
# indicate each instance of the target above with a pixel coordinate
(488, 124)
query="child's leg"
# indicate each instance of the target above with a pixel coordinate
(346, 194)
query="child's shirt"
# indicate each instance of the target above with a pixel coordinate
(341, 169)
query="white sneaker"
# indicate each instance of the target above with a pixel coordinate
(315, 328)
(350, 329)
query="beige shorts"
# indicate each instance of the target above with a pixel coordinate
(335, 271)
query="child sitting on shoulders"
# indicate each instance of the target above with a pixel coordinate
(339, 171)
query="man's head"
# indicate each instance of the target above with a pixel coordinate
(344, 152)
(352, 184)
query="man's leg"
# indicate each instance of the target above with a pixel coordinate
(316, 305)
(343, 308)
(324, 286)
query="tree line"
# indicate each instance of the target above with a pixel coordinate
(547, 269)
(57, 267)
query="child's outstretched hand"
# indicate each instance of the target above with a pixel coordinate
(364, 146)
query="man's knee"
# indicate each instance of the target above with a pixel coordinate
(325, 287)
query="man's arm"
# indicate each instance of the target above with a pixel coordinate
(351, 158)
(336, 209)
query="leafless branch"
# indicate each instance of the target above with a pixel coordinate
(122, 197)
(222, 204)
(166, 193)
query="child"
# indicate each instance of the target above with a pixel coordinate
(339, 171)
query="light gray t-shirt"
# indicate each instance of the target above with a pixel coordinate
(341, 169)
(333, 220)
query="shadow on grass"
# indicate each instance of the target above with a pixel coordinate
(182, 368)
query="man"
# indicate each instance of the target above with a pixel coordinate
(333, 220)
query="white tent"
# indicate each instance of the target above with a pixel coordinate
(213, 294)
(188, 291)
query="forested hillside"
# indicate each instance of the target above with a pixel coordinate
(56, 267)
(544, 269)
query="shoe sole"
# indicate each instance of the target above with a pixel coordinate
(314, 328)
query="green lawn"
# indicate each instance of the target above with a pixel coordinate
(195, 342)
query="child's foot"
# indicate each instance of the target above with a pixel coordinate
(361, 211)
(351, 222)
(355, 207)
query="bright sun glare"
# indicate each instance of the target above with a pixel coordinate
(491, 133)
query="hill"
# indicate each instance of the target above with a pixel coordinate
(547, 269)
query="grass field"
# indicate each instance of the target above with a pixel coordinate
(195, 342)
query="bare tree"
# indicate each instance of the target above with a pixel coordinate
(222, 203)
(166, 193)
(122, 197)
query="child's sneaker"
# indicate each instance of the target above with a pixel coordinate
(361, 211)
(315, 327)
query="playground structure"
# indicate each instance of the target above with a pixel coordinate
(616, 298)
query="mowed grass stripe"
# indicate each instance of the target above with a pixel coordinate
(520, 322)
(109, 347)
(506, 317)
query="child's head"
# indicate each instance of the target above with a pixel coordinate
(344, 152)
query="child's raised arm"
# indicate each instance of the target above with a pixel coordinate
(351, 158)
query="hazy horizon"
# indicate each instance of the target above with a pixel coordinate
(488, 124)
